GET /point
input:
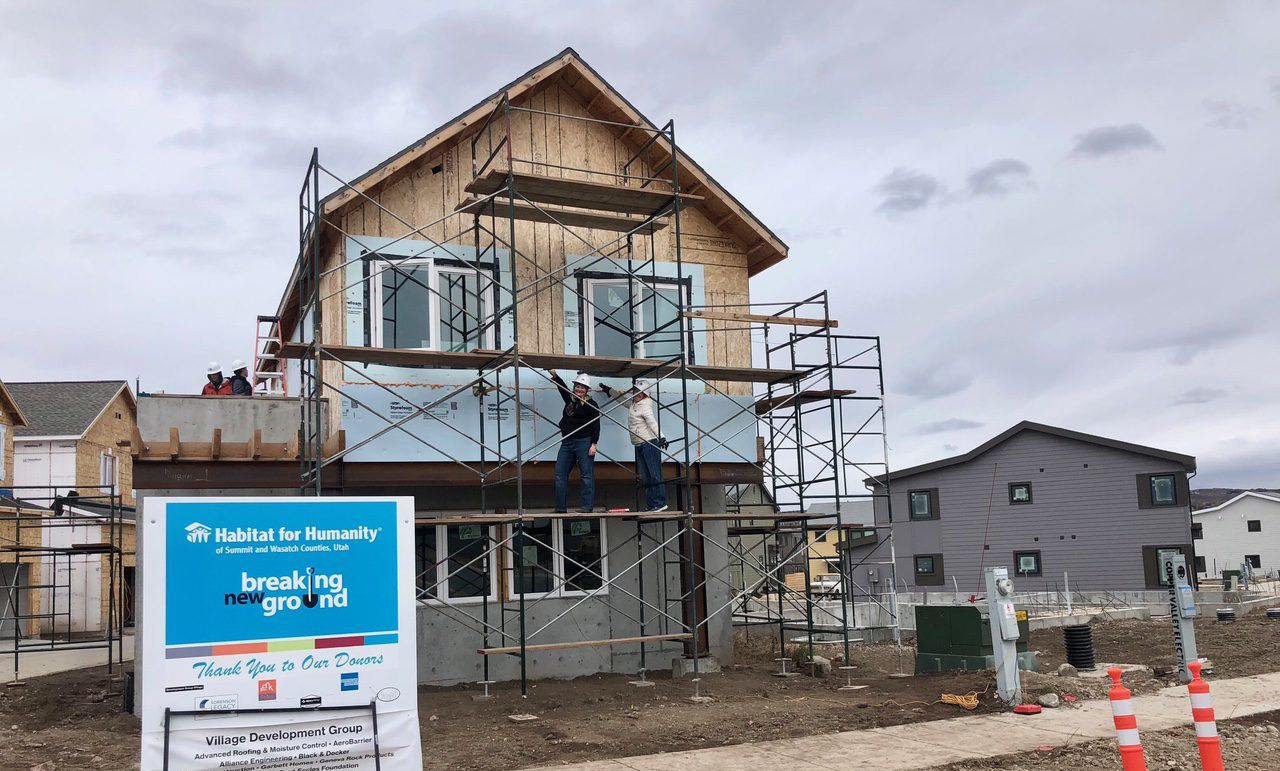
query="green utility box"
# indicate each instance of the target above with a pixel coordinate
(957, 638)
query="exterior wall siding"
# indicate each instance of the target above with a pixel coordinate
(1084, 517)
(1227, 538)
(104, 437)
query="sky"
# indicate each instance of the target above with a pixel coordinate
(1063, 212)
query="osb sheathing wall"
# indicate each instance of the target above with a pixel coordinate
(30, 534)
(427, 190)
(114, 425)
(6, 451)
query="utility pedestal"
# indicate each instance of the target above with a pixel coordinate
(1004, 635)
(1182, 610)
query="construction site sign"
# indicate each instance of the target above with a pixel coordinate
(278, 633)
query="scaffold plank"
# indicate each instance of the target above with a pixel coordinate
(771, 403)
(583, 194)
(619, 223)
(510, 649)
(762, 318)
(595, 365)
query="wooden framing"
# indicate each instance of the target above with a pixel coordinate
(762, 318)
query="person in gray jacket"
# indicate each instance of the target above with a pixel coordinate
(642, 424)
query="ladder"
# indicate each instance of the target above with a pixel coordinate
(268, 367)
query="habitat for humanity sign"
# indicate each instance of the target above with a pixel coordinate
(278, 633)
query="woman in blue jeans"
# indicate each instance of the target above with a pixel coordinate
(579, 431)
(648, 441)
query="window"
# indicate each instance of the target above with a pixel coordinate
(618, 318)
(859, 536)
(429, 304)
(1162, 491)
(561, 557)
(1019, 492)
(1153, 563)
(1254, 560)
(109, 470)
(923, 504)
(1197, 531)
(462, 571)
(1027, 563)
(928, 570)
(1254, 525)
(1200, 568)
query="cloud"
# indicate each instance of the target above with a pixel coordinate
(999, 177)
(1275, 88)
(950, 424)
(1114, 140)
(1200, 396)
(950, 447)
(930, 380)
(905, 191)
(1185, 346)
(1226, 114)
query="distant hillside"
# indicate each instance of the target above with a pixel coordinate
(1212, 496)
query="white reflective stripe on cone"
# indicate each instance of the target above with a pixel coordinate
(1128, 737)
(1122, 707)
(1201, 701)
(1206, 730)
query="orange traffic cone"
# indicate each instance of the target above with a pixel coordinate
(1206, 726)
(1131, 755)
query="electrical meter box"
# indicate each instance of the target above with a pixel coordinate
(957, 638)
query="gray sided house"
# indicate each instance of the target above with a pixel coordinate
(1044, 502)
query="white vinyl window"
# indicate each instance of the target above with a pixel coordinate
(4, 430)
(454, 563)
(109, 471)
(559, 558)
(429, 304)
(615, 317)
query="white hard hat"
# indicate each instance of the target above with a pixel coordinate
(582, 379)
(644, 385)
(238, 364)
(214, 368)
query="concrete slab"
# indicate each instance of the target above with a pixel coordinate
(35, 663)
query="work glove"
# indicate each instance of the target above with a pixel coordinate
(663, 443)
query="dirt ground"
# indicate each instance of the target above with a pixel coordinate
(1248, 744)
(73, 720)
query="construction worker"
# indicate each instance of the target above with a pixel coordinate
(217, 385)
(579, 433)
(240, 385)
(646, 439)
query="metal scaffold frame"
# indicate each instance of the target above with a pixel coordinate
(22, 518)
(489, 322)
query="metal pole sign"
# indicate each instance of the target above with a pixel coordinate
(278, 633)
(1182, 610)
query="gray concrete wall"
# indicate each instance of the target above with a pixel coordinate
(195, 417)
(1084, 517)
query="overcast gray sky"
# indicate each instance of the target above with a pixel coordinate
(1064, 212)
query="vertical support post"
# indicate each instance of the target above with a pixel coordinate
(317, 335)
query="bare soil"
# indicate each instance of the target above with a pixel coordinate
(1248, 744)
(72, 720)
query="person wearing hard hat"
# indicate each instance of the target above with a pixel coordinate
(647, 440)
(240, 385)
(579, 433)
(217, 385)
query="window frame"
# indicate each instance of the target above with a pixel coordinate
(113, 477)
(932, 493)
(937, 577)
(1197, 531)
(1017, 564)
(1249, 526)
(435, 266)
(558, 562)
(588, 280)
(1015, 502)
(1200, 566)
(1254, 560)
(442, 567)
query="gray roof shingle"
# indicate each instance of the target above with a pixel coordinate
(62, 409)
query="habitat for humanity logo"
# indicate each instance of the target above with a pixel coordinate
(294, 591)
(198, 533)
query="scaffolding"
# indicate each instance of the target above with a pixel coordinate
(799, 406)
(42, 566)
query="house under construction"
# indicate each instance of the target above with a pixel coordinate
(552, 227)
